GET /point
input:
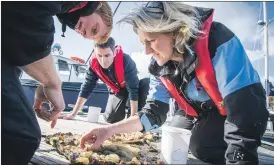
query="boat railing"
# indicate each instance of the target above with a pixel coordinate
(72, 76)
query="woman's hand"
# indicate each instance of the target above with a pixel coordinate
(96, 136)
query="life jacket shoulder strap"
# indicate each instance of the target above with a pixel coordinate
(204, 71)
(119, 66)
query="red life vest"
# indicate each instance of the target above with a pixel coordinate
(118, 69)
(204, 73)
(80, 6)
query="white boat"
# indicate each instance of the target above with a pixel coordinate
(72, 74)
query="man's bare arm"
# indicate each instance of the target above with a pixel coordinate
(133, 107)
(79, 104)
(132, 124)
(44, 71)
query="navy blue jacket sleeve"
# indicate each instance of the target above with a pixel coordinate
(131, 78)
(89, 83)
(153, 114)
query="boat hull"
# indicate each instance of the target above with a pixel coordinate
(70, 90)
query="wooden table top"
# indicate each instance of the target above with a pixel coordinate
(47, 155)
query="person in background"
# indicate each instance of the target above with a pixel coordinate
(270, 95)
(204, 67)
(118, 71)
(28, 33)
(270, 91)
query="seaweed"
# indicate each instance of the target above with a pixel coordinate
(130, 148)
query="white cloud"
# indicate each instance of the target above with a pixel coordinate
(271, 43)
(255, 55)
(237, 16)
(142, 62)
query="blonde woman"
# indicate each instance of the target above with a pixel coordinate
(204, 67)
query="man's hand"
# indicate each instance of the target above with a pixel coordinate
(53, 96)
(78, 106)
(70, 116)
(96, 136)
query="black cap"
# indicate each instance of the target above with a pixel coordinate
(70, 19)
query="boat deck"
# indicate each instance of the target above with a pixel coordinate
(47, 155)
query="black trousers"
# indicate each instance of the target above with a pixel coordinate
(233, 139)
(17, 150)
(20, 132)
(117, 104)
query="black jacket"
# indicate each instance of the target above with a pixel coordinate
(27, 36)
(270, 89)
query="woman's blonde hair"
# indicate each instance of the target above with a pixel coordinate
(160, 17)
(107, 16)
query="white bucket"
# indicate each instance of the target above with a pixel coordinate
(175, 144)
(93, 114)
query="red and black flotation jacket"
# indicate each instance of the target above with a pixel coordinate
(118, 69)
(205, 75)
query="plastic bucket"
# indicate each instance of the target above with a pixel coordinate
(93, 114)
(174, 145)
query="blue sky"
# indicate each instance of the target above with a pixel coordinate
(270, 7)
(240, 17)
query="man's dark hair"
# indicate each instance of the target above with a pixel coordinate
(109, 44)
